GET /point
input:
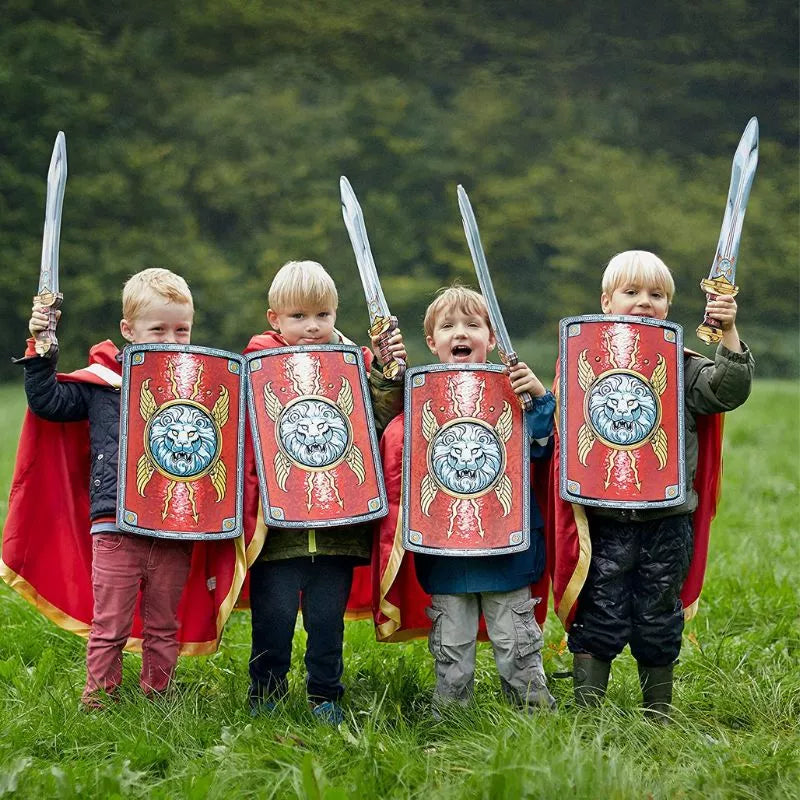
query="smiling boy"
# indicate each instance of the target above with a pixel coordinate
(458, 331)
(308, 568)
(636, 561)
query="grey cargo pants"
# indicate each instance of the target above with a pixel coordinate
(516, 640)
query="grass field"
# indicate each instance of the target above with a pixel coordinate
(737, 730)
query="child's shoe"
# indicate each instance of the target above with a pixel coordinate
(328, 712)
(539, 700)
(656, 685)
(589, 679)
(259, 707)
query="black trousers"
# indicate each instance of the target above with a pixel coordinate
(320, 587)
(632, 591)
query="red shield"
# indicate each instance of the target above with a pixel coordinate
(181, 442)
(466, 468)
(621, 421)
(314, 437)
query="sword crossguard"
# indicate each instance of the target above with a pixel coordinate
(383, 327)
(709, 330)
(46, 341)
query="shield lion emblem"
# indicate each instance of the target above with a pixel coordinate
(181, 442)
(466, 468)
(314, 437)
(621, 420)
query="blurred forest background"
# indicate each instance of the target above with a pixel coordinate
(209, 137)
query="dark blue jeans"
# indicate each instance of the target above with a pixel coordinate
(320, 587)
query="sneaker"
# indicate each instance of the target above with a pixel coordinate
(262, 707)
(328, 712)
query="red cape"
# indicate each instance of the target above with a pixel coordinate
(359, 602)
(568, 532)
(398, 601)
(47, 547)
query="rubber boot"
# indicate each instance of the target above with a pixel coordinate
(656, 685)
(589, 679)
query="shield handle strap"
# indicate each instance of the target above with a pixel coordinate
(709, 330)
(46, 341)
(384, 327)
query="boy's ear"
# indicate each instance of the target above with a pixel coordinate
(125, 330)
(272, 318)
(492, 342)
(431, 346)
(605, 303)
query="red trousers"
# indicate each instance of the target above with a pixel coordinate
(121, 566)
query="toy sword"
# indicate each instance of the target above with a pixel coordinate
(721, 279)
(381, 321)
(507, 354)
(48, 294)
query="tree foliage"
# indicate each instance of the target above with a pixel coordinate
(209, 137)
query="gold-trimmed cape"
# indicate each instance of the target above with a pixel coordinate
(47, 547)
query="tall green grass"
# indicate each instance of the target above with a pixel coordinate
(737, 693)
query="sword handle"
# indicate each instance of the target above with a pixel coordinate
(709, 330)
(525, 398)
(393, 368)
(46, 341)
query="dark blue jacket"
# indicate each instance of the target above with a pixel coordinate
(71, 402)
(467, 574)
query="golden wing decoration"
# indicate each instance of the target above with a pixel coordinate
(355, 461)
(585, 372)
(271, 403)
(144, 471)
(505, 424)
(429, 423)
(504, 494)
(427, 493)
(660, 447)
(147, 403)
(282, 467)
(345, 398)
(659, 376)
(218, 475)
(222, 407)
(585, 443)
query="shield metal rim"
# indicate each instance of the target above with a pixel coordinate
(525, 541)
(677, 330)
(383, 506)
(164, 533)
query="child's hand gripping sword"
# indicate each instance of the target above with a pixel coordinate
(381, 321)
(48, 295)
(721, 278)
(507, 354)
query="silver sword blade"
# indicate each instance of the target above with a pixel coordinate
(354, 222)
(482, 270)
(743, 170)
(56, 181)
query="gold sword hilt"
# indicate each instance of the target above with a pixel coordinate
(709, 331)
(46, 342)
(383, 327)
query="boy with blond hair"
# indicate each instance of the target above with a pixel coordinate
(307, 568)
(157, 307)
(636, 562)
(458, 331)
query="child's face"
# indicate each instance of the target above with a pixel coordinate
(460, 338)
(636, 300)
(304, 324)
(161, 321)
